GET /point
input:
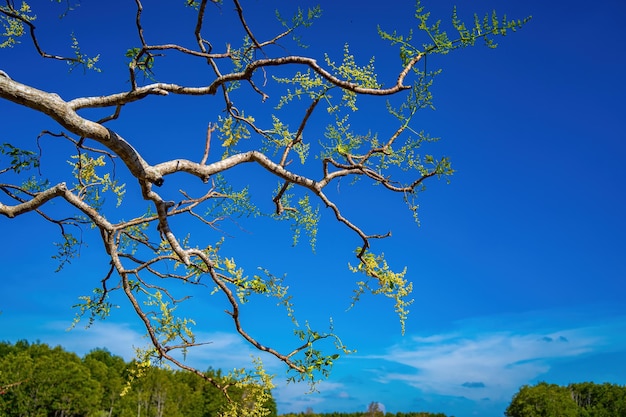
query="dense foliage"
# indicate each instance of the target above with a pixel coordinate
(39, 380)
(575, 400)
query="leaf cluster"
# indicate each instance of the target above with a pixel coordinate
(81, 59)
(388, 283)
(12, 21)
(18, 159)
(486, 29)
(90, 184)
(301, 215)
(300, 19)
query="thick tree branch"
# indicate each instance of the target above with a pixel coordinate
(52, 105)
(35, 203)
(205, 171)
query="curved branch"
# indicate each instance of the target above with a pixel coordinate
(33, 204)
(235, 316)
(205, 171)
(62, 112)
(165, 88)
(12, 13)
(245, 25)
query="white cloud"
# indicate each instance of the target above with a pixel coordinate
(297, 397)
(226, 351)
(222, 350)
(492, 364)
(120, 339)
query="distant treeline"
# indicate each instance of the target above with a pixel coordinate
(365, 414)
(38, 380)
(585, 399)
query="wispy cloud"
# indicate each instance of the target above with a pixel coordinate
(119, 338)
(222, 350)
(479, 364)
(292, 397)
(226, 351)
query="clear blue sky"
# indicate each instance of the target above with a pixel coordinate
(519, 264)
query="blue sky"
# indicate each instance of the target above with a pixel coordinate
(518, 264)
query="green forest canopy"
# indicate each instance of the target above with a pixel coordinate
(585, 399)
(39, 380)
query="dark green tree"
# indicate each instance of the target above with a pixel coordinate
(50, 381)
(63, 385)
(16, 369)
(110, 371)
(36, 380)
(599, 400)
(550, 400)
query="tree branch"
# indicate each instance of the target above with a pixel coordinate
(52, 105)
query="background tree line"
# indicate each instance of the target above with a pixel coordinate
(373, 410)
(366, 414)
(585, 399)
(37, 380)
